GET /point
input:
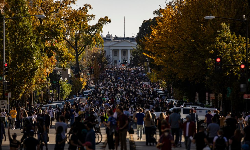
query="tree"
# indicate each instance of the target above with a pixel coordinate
(179, 42)
(65, 89)
(22, 53)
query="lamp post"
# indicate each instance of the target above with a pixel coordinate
(4, 61)
(47, 71)
(246, 21)
(58, 83)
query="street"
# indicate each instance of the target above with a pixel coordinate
(140, 144)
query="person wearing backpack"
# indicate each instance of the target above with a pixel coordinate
(220, 142)
(111, 127)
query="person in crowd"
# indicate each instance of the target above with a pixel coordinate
(90, 137)
(164, 126)
(217, 117)
(51, 114)
(14, 143)
(41, 130)
(73, 142)
(111, 127)
(87, 145)
(189, 129)
(193, 116)
(166, 141)
(31, 143)
(174, 121)
(220, 142)
(148, 121)
(159, 120)
(60, 141)
(212, 130)
(208, 117)
(2, 134)
(13, 114)
(235, 141)
(246, 132)
(63, 125)
(200, 139)
(122, 124)
(139, 117)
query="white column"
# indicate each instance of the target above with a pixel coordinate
(111, 56)
(128, 56)
(120, 56)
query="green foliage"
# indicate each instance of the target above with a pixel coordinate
(77, 86)
(65, 89)
(22, 53)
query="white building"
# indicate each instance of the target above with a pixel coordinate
(119, 49)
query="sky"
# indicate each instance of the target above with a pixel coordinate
(135, 11)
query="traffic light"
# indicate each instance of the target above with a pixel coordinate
(242, 68)
(77, 75)
(218, 64)
(6, 70)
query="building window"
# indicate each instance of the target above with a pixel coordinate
(124, 53)
(115, 53)
(115, 62)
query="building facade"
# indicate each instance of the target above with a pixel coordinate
(119, 49)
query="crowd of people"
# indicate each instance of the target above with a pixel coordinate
(124, 100)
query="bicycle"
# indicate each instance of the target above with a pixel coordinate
(98, 135)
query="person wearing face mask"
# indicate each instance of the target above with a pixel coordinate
(189, 131)
(166, 141)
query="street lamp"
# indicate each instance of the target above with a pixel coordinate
(59, 78)
(244, 20)
(38, 16)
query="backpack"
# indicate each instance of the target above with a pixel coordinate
(112, 125)
(220, 143)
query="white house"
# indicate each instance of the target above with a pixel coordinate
(118, 49)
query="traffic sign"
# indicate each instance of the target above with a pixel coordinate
(246, 96)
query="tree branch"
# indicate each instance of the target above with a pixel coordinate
(70, 43)
(82, 49)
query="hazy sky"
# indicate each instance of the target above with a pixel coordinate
(135, 11)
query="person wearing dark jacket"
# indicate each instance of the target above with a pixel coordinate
(189, 131)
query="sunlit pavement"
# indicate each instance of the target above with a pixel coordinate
(140, 144)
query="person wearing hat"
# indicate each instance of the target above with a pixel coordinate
(189, 131)
(87, 145)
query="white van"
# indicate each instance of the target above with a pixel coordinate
(200, 111)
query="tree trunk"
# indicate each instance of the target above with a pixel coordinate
(77, 68)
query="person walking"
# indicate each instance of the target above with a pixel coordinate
(235, 141)
(122, 124)
(63, 125)
(159, 120)
(14, 143)
(13, 114)
(200, 139)
(189, 131)
(208, 117)
(90, 137)
(139, 120)
(148, 125)
(60, 141)
(2, 134)
(31, 143)
(174, 121)
(212, 130)
(111, 127)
